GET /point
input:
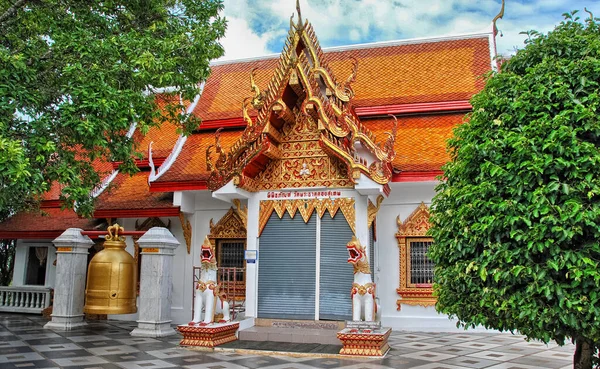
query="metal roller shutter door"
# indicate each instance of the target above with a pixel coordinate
(286, 269)
(337, 274)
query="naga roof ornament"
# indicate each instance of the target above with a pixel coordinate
(302, 91)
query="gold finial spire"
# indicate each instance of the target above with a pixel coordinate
(298, 25)
(498, 16)
(113, 233)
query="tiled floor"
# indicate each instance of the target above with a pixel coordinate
(25, 344)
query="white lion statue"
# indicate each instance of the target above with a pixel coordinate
(207, 290)
(364, 304)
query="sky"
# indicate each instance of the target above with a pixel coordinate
(259, 27)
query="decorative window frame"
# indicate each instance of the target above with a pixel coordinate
(414, 228)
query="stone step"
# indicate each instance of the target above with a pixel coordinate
(296, 335)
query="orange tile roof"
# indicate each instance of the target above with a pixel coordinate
(163, 137)
(399, 74)
(421, 140)
(46, 224)
(191, 162)
(132, 193)
(420, 145)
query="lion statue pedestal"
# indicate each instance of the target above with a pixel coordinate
(207, 332)
(363, 336)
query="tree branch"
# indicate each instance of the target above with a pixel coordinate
(12, 10)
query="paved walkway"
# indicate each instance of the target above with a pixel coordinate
(25, 344)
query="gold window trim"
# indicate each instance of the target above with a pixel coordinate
(414, 228)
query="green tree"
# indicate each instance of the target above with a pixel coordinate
(7, 261)
(516, 221)
(75, 75)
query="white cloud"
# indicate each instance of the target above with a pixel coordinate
(242, 42)
(258, 27)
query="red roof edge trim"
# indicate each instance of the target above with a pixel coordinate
(137, 213)
(46, 204)
(178, 186)
(416, 176)
(442, 106)
(236, 122)
(143, 163)
(23, 235)
(97, 234)
(367, 111)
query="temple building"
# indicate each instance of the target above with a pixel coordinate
(296, 154)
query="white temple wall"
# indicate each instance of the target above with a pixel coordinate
(204, 209)
(403, 200)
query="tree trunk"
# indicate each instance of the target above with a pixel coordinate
(583, 354)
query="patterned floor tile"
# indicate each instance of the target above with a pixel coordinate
(440, 366)
(542, 362)
(479, 345)
(428, 356)
(56, 347)
(192, 360)
(89, 338)
(132, 356)
(80, 361)
(471, 362)
(26, 356)
(112, 350)
(14, 350)
(64, 354)
(329, 363)
(494, 355)
(30, 364)
(147, 364)
(418, 345)
(555, 355)
(516, 366)
(48, 341)
(173, 352)
(222, 365)
(260, 362)
(137, 340)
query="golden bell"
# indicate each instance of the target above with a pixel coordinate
(112, 278)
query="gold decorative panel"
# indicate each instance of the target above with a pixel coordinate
(306, 207)
(231, 225)
(413, 229)
(303, 163)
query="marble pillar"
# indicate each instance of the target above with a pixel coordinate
(72, 250)
(157, 247)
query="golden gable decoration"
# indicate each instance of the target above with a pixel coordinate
(305, 131)
(231, 225)
(306, 207)
(414, 228)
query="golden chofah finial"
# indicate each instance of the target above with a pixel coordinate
(245, 114)
(589, 12)
(298, 25)
(113, 233)
(389, 143)
(498, 16)
(257, 99)
(209, 164)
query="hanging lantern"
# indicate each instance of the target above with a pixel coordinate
(112, 278)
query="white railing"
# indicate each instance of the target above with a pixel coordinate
(24, 299)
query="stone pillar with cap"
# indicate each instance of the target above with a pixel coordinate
(72, 249)
(157, 247)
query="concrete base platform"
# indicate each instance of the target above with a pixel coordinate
(295, 331)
